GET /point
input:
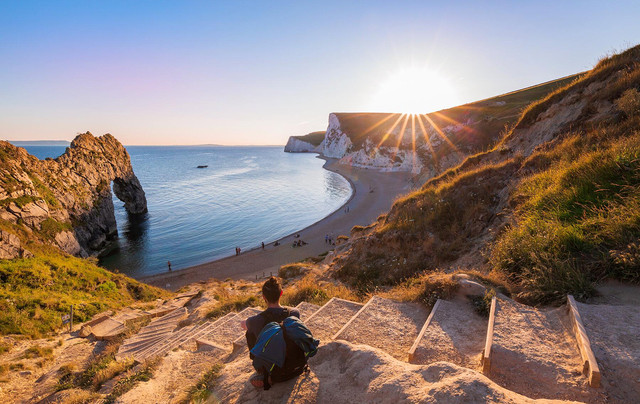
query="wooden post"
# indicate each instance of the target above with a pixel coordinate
(590, 364)
(486, 354)
(412, 350)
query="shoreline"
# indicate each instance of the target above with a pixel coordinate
(373, 193)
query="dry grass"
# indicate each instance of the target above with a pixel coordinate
(311, 289)
(145, 373)
(81, 397)
(202, 389)
(228, 302)
(425, 288)
(36, 351)
(113, 369)
(296, 269)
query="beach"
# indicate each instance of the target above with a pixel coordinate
(373, 194)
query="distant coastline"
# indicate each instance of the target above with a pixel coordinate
(21, 143)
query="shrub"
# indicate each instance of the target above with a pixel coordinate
(482, 303)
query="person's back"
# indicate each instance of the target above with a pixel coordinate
(256, 323)
(271, 292)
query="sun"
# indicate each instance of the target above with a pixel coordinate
(414, 90)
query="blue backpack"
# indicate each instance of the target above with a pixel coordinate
(282, 349)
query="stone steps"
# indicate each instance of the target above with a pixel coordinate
(453, 333)
(111, 327)
(157, 330)
(385, 324)
(331, 317)
(178, 338)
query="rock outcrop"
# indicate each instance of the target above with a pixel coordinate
(65, 201)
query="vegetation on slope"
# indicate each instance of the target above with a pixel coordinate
(484, 120)
(552, 222)
(315, 138)
(36, 292)
(578, 220)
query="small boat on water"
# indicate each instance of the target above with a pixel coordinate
(203, 166)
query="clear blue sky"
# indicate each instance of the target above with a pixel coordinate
(241, 72)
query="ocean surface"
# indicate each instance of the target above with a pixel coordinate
(245, 196)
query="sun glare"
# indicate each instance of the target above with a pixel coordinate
(414, 90)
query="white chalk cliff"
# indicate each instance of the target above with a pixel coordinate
(295, 145)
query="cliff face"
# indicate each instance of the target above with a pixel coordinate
(65, 201)
(295, 145)
(392, 142)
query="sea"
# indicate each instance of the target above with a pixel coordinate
(245, 196)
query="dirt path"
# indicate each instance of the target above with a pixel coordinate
(535, 353)
(614, 332)
(374, 193)
(455, 334)
(345, 373)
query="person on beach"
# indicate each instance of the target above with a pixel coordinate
(263, 245)
(169, 265)
(271, 293)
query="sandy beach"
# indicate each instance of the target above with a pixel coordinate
(373, 194)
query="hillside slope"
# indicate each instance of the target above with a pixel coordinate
(554, 207)
(426, 144)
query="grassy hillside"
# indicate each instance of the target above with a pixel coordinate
(553, 208)
(484, 119)
(36, 292)
(315, 138)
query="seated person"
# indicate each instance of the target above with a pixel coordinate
(271, 293)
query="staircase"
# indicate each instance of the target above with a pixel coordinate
(548, 347)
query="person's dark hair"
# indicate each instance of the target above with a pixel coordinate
(272, 290)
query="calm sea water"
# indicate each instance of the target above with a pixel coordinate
(247, 195)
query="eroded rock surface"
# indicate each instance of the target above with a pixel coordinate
(65, 201)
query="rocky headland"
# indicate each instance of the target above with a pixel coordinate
(67, 201)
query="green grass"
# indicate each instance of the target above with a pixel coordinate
(36, 292)
(575, 220)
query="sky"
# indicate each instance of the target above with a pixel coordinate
(253, 73)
